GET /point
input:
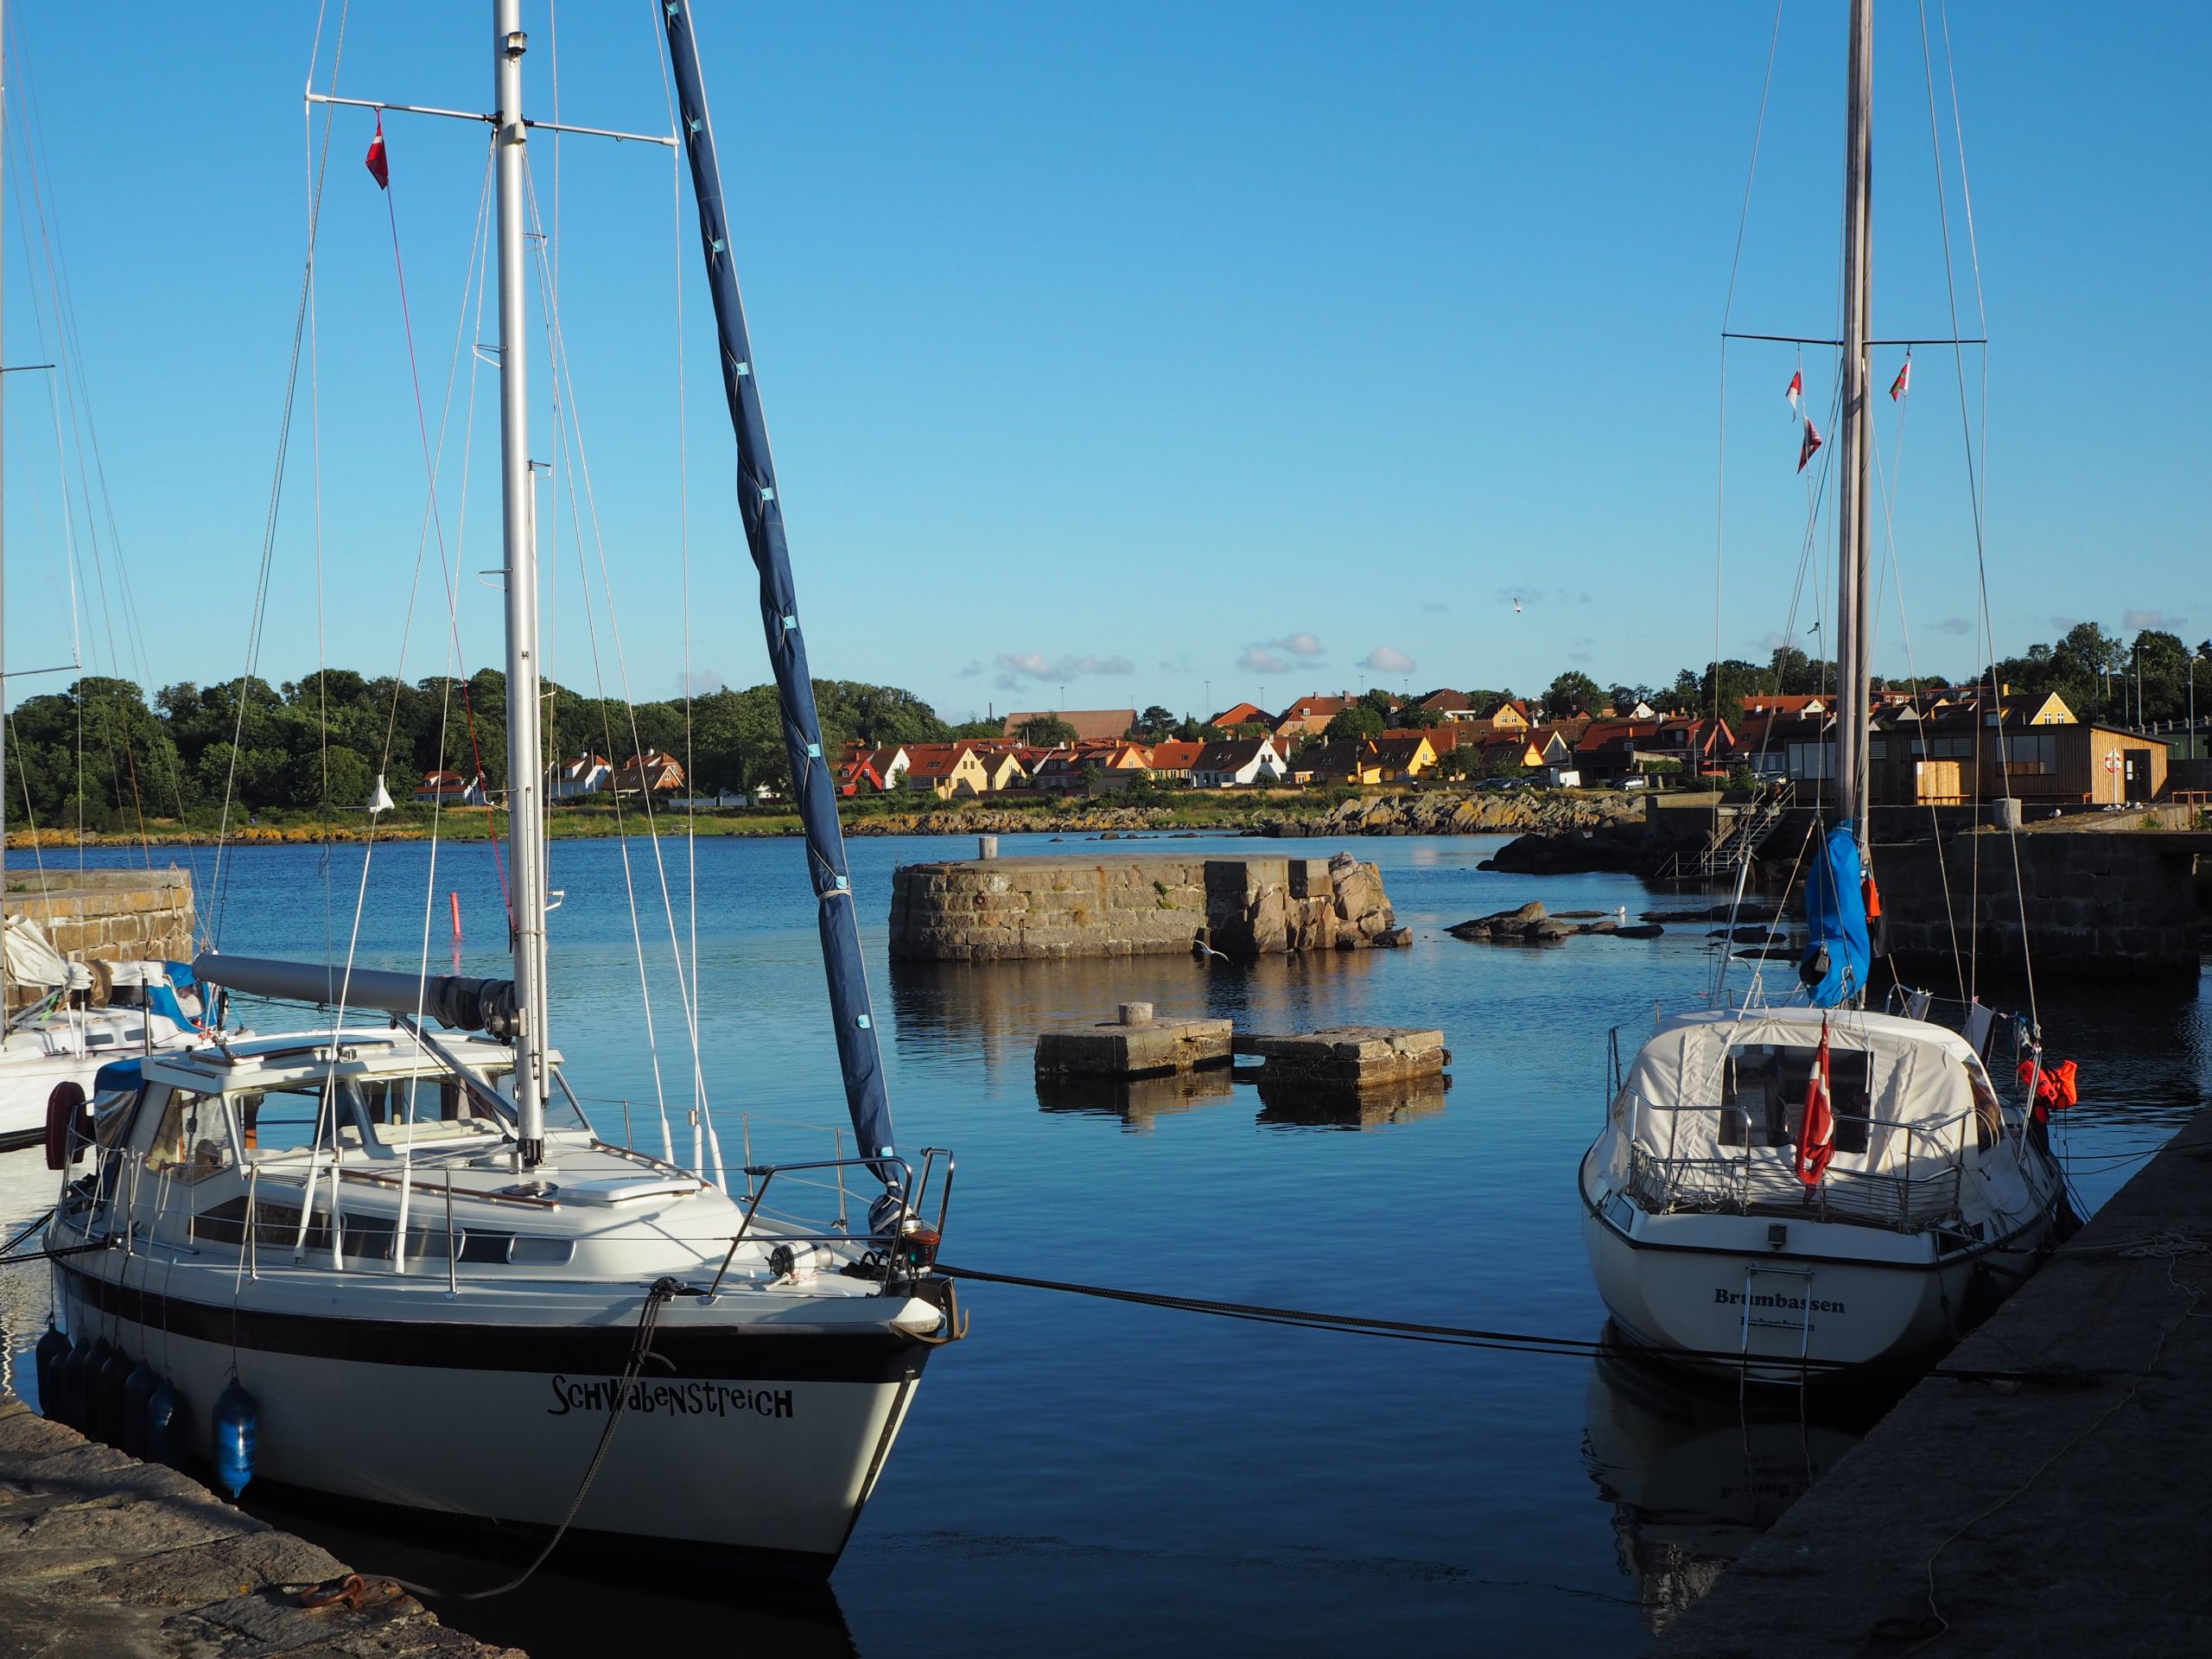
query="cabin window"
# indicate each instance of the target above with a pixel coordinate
(192, 1141)
(1763, 1104)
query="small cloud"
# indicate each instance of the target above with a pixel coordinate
(2064, 623)
(699, 683)
(1435, 607)
(1585, 650)
(1014, 667)
(1525, 596)
(1387, 659)
(2140, 620)
(1178, 663)
(1958, 624)
(1258, 659)
(1771, 642)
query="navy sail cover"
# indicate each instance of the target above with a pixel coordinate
(813, 785)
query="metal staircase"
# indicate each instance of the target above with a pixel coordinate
(1727, 854)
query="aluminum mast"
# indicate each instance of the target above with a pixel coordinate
(525, 774)
(1853, 608)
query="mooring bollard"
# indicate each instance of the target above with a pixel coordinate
(987, 846)
(1136, 1013)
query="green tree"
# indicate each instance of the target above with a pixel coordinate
(1041, 730)
(1571, 693)
(1154, 724)
(1361, 719)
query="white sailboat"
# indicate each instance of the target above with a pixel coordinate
(402, 1268)
(1781, 1192)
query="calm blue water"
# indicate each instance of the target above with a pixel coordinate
(1088, 1478)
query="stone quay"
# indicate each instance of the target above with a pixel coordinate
(1138, 904)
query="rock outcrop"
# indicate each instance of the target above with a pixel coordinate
(1529, 924)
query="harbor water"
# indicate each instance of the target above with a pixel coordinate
(1083, 1477)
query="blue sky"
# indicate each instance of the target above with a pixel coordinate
(1136, 350)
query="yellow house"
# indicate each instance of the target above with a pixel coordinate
(948, 771)
(1002, 768)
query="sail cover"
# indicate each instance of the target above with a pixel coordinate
(812, 785)
(1838, 952)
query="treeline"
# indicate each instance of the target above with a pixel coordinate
(99, 755)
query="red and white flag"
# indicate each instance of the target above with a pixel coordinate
(1806, 450)
(1816, 1136)
(1903, 383)
(374, 159)
(1796, 388)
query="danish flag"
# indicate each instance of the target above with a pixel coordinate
(1812, 443)
(1817, 1137)
(1796, 387)
(1903, 383)
(374, 159)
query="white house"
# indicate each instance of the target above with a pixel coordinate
(583, 773)
(1239, 763)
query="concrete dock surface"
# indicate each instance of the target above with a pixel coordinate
(2020, 1519)
(108, 1558)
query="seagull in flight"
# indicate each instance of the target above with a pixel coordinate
(1516, 607)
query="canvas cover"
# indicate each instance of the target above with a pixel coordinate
(1920, 1088)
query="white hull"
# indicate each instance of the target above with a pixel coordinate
(769, 1456)
(1704, 1288)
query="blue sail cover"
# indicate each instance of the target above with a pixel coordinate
(812, 784)
(1838, 953)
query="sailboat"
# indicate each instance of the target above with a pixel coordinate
(398, 1266)
(84, 1014)
(1783, 1193)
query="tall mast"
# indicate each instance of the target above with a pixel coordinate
(526, 776)
(1853, 608)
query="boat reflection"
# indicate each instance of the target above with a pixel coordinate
(1695, 1471)
(576, 1611)
(1135, 1100)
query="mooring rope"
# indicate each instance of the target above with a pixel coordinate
(1503, 1341)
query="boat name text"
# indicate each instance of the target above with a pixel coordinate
(670, 1399)
(1795, 1304)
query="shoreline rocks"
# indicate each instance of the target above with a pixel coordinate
(1529, 924)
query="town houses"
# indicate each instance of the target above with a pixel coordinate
(1954, 744)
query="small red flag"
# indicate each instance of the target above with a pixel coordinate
(1903, 383)
(1816, 1136)
(1796, 387)
(374, 161)
(1812, 443)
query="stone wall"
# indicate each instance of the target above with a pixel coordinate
(2097, 903)
(115, 915)
(1139, 904)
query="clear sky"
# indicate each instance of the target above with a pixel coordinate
(1133, 349)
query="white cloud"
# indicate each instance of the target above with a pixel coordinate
(1435, 607)
(1387, 659)
(699, 683)
(2140, 620)
(1258, 659)
(1016, 666)
(1958, 624)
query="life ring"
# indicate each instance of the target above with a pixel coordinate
(66, 1116)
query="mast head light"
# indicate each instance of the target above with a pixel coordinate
(517, 44)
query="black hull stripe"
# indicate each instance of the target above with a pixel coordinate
(752, 1356)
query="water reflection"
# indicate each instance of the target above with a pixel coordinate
(1696, 1470)
(1135, 1100)
(1303, 1106)
(573, 1611)
(993, 1010)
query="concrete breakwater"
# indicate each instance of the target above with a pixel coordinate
(1137, 904)
(2057, 1514)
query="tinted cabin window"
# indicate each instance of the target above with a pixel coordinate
(192, 1140)
(1763, 1104)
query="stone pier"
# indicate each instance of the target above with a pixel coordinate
(113, 915)
(1137, 904)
